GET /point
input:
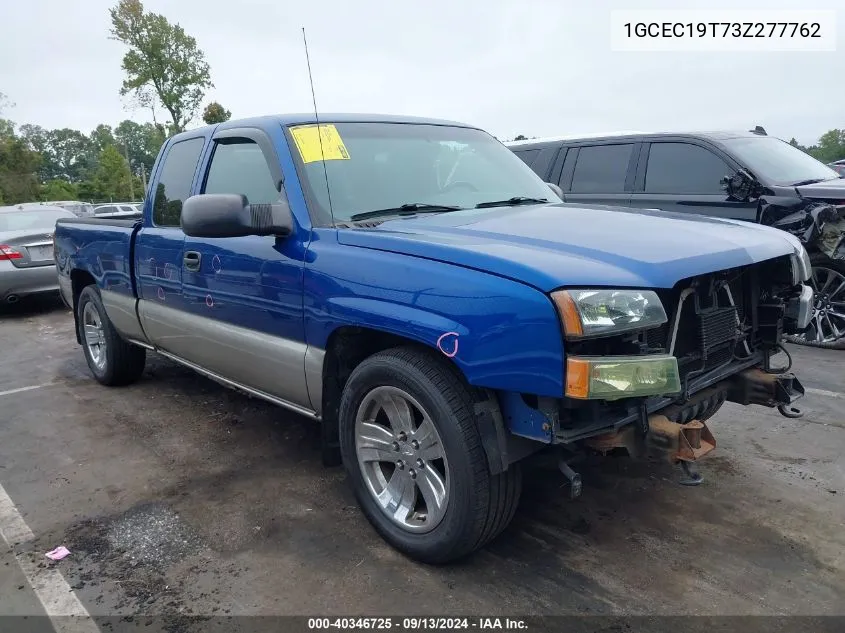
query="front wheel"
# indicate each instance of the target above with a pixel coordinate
(112, 360)
(414, 456)
(827, 327)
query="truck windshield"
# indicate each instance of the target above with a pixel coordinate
(377, 166)
(777, 162)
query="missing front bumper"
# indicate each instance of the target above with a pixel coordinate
(682, 439)
(675, 441)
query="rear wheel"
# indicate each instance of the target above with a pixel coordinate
(413, 453)
(112, 360)
(827, 327)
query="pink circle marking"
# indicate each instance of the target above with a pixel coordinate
(160, 293)
(440, 341)
(209, 301)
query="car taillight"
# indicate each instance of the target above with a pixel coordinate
(7, 252)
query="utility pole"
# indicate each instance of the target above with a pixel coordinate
(129, 169)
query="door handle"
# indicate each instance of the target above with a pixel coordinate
(192, 260)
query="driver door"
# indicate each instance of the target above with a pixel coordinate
(244, 294)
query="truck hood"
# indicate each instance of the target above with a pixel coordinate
(554, 245)
(824, 190)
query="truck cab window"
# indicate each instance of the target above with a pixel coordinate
(684, 168)
(174, 183)
(240, 167)
(601, 169)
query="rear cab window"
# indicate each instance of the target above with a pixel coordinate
(601, 168)
(175, 180)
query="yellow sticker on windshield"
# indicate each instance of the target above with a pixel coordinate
(312, 148)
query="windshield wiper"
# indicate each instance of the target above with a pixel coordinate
(412, 208)
(510, 202)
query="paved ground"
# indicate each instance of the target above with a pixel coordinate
(176, 496)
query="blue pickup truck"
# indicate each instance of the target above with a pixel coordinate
(412, 286)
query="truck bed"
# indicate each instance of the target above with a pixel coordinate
(100, 247)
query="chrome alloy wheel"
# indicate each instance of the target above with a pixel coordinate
(402, 459)
(95, 337)
(828, 321)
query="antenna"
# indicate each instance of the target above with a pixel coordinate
(317, 119)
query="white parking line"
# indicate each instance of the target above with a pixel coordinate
(825, 392)
(9, 392)
(66, 612)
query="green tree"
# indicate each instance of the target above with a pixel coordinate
(831, 146)
(520, 137)
(215, 113)
(163, 62)
(111, 180)
(141, 142)
(18, 167)
(59, 190)
(36, 138)
(101, 138)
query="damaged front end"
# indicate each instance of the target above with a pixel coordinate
(722, 330)
(819, 225)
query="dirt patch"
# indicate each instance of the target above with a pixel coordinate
(135, 551)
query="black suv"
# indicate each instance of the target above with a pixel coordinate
(739, 175)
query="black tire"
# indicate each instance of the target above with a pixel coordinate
(820, 260)
(480, 505)
(124, 362)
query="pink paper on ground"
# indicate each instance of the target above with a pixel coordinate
(58, 554)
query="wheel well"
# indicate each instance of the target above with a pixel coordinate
(79, 279)
(348, 346)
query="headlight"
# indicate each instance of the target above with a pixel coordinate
(597, 312)
(614, 377)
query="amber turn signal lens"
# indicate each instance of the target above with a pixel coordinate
(569, 313)
(577, 378)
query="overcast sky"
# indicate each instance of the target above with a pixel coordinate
(531, 67)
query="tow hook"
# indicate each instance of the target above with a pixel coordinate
(788, 411)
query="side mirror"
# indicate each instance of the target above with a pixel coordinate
(556, 189)
(231, 215)
(740, 186)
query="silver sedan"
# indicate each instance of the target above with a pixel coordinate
(27, 266)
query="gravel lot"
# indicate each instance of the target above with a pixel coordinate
(176, 496)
